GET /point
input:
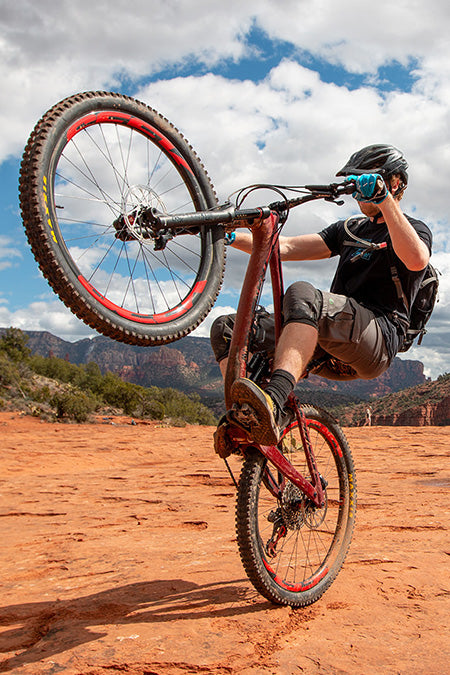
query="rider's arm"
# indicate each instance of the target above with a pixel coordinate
(300, 247)
(370, 190)
(304, 247)
(407, 244)
(243, 241)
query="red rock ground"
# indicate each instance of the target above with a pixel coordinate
(118, 555)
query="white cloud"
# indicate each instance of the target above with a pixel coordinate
(362, 37)
(51, 316)
(49, 50)
(8, 252)
(291, 127)
(294, 128)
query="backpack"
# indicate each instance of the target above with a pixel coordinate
(424, 302)
(422, 307)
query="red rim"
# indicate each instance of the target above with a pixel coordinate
(296, 588)
(163, 317)
(110, 117)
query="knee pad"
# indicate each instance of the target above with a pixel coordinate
(220, 335)
(302, 304)
(261, 338)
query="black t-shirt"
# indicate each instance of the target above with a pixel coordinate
(365, 274)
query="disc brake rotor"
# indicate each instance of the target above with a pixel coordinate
(137, 199)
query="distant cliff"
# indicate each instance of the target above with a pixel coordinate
(427, 404)
(401, 374)
(189, 365)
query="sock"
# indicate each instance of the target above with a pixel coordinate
(280, 386)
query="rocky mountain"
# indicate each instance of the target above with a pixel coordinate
(427, 404)
(401, 374)
(189, 365)
(401, 396)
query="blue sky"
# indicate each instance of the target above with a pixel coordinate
(265, 91)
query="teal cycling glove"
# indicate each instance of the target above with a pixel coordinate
(370, 187)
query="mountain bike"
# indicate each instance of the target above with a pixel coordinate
(124, 223)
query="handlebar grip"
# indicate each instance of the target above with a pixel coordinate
(227, 216)
(334, 188)
(324, 189)
(348, 188)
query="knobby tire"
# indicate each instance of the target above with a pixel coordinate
(309, 556)
(91, 164)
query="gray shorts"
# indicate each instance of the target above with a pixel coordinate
(348, 332)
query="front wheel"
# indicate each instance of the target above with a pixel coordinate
(291, 550)
(92, 165)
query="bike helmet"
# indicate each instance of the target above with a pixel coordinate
(383, 159)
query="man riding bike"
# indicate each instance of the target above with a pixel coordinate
(362, 320)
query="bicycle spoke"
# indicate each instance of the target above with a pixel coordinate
(107, 199)
(93, 197)
(102, 161)
(134, 275)
(310, 532)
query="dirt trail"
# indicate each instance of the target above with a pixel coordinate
(119, 555)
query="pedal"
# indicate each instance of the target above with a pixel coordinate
(222, 446)
(244, 415)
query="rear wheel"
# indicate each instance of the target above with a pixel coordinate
(92, 164)
(291, 550)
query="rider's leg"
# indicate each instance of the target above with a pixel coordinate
(351, 333)
(262, 338)
(301, 311)
(295, 348)
(302, 306)
(346, 330)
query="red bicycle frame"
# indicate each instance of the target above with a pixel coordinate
(263, 222)
(266, 251)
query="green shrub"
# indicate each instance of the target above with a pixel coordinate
(9, 373)
(74, 405)
(14, 344)
(43, 395)
(120, 394)
(179, 405)
(55, 368)
(152, 409)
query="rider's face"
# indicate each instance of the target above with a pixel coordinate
(369, 209)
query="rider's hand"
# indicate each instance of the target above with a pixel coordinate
(370, 187)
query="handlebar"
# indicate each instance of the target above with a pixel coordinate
(230, 215)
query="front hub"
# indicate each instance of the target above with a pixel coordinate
(132, 224)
